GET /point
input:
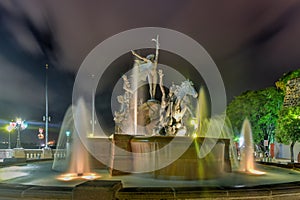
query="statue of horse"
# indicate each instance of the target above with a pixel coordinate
(186, 88)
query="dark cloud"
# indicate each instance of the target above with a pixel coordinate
(252, 42)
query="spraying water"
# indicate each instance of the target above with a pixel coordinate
(247, 150)
(76, 162)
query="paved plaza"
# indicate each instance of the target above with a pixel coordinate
(36, 180)
(40, 173)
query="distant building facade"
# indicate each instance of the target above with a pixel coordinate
(292, 93)
(291, 98)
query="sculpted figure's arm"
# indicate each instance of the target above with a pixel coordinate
(139, 57)
(157, 49)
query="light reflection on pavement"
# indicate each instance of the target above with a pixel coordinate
(40, 173)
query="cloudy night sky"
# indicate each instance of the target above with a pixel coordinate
(253, 43)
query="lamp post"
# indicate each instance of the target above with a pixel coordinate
(19, 125)
(46, 118)
(68, 133)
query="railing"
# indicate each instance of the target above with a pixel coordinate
(33, 154)
(59, 153)
(36, 154)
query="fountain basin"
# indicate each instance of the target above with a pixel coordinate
(177, 158)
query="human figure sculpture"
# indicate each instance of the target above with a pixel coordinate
(126, 85)
(124, 100)
(164, 102)
(148, 67)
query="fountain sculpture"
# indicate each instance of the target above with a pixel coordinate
(169, 116)
(170, 136)
(161, 119)
(212, 150)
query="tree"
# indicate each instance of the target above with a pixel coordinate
(240, 108)
(261, 108)
(271, 105)
(288, 128)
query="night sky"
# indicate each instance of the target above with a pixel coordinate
(253, 43)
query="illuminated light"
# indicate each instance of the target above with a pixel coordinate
(52, 142)
(9, 128)
(41, 136)
(241, 142)
(68, 133)
(24, 125)
(41, 130)
(236, 139)
(74, 176)
(256, 172)
(239, 186)
(13, 124)
(91, 135)
(194, 135)
(19, 121)
(90, 177)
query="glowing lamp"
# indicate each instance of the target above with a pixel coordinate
(9, 128)
(68, 133)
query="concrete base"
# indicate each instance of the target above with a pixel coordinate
(18, 153)
(47, 153)
(29, 192)
(113, 190)
(13, 161)
(289, 191)
(94, 190)
(6, 153)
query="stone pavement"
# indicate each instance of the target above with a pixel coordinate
(37, 181)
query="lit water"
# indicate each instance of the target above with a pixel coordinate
(76, 159)
(247, 150)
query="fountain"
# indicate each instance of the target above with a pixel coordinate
(247, 150)
(170, 138)
(75, 164)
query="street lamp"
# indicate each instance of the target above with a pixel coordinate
(19, 124)
(46, 118)
(68, 133)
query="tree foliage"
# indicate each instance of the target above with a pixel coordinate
(268, 118)
(267, 121)
(288, 128)
(261, 108)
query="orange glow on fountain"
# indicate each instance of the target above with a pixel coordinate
(74, 176)
(76, 162)
(247, 150)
